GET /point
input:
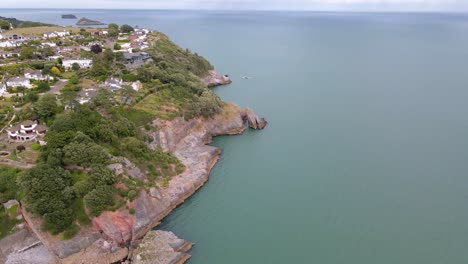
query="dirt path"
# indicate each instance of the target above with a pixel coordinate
(7, 125)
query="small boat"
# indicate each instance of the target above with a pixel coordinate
(246, 77)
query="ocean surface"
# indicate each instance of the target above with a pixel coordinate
(365, 159)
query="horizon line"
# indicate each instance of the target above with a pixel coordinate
(252, 9)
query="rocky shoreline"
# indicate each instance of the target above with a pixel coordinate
(114, 237)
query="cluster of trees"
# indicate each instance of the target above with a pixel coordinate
(5, 25)
(8, 187)
(179, 71)
(114, 29)
(30, 51)
(49, 193)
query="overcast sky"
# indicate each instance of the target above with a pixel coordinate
(346, 5)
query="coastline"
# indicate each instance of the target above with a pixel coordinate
(114, 236)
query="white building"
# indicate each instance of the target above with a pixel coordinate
(114, 83)
(35, 75)
(56, 34)
(83, 63)
(50, 44)
(63, 33)
(7, 44)
(3, 89)
(26, 131)
(19, 81)
(56, 57)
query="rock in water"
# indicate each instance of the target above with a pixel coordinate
(161, 247)
(253, 120)
(88, 22)
(215, 79)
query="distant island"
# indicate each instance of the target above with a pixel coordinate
(69, 16)
(88, 22)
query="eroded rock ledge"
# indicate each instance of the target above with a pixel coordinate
(112, 233)
(161, 247)
(215, 79)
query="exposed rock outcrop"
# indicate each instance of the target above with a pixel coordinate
(187, 141)
(161, 247)
(116, 226)
(61, 248)
(100, 252)
(23, 247)
(214, 79)
(253, 120)
(111, 232)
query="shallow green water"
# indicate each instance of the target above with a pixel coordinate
(365, 157)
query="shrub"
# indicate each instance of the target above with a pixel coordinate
(36, 146)
(99, 199)
(132, 194)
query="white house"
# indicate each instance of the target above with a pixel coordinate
(56, 57)
(35, 75)
(7, 54)
(137, 85)
(18, 81)
(114, 83)
(28, 130)
(83, 63)
(63, 33)
(56, 34)
(3, 89)
(50, 44)
(50, 35)
(7, 44)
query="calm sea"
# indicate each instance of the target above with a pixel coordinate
(365, 160)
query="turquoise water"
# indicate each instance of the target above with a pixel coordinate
(365, 159)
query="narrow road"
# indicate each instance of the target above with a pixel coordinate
(58, 86)
(7, 125)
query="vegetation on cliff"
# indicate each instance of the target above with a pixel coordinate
(6, 23)
(72, 180)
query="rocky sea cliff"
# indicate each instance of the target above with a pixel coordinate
(119, 236)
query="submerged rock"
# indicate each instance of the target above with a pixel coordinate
(161, 247)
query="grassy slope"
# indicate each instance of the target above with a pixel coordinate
(44, 29)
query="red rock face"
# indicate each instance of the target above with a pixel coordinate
(117, 226)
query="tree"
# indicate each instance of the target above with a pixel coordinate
(21, 148)
(100, 199)
(43, 87)
(96, 49)
(5, 25)
(48, 192)
(117, 46)
(75, 66)
(55, 71)
(46, 107)
(84, 154)
(26, 53)
(101, 175)
(126, 28)
(8, 187)
(31, 96)
(113, 30)
(47, 51)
